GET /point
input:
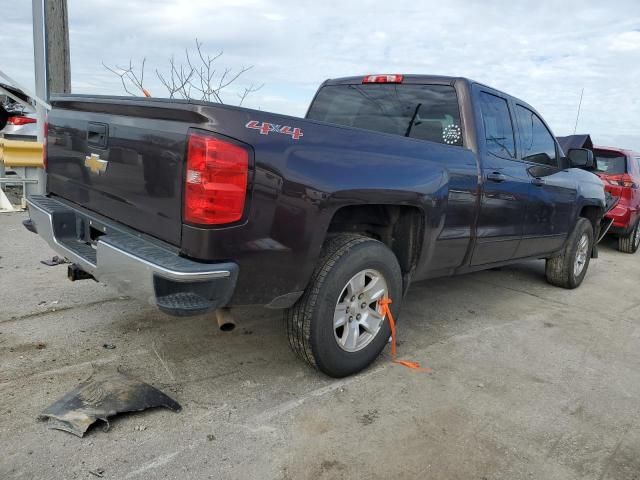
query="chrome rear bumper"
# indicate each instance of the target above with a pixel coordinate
(136, 266)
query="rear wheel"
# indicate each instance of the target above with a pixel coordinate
(337, 326)
(630, 243)
(569, 269)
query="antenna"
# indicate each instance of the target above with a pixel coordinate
(578, 115)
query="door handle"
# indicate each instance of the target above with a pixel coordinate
(538, 182)
(496, 177)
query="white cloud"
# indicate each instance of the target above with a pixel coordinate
(542, 52)
(625, 41)
(276, 17)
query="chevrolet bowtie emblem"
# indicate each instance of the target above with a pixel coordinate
(94, 163)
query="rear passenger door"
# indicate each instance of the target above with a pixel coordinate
(505, 182)
(551, 205)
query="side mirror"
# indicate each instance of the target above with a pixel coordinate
(581, 158)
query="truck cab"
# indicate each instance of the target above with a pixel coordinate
(527, 195)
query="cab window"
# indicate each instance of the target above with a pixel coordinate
(498, 129)
(538, 145)
(425, 112)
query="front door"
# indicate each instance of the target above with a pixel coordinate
(548, 215)
(505, 184)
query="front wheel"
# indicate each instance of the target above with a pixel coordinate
(569, 269)
(337, 325)
(630, 243)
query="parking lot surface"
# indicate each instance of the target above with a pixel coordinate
(528, 381)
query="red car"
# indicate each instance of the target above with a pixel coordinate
(620, 172)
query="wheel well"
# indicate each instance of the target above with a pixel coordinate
(594, 215)
(397, 226)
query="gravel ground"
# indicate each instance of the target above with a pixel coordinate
(529, 381)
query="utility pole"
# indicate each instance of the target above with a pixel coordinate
(39, 62)
(57, 44)
(52, 66)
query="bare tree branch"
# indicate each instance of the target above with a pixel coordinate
(127, 74)
(247, 91)
(197, 78)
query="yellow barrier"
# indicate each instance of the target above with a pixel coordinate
(16, 153)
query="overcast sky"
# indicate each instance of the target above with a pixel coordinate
(544, 53)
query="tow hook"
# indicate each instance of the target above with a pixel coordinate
(74, 272)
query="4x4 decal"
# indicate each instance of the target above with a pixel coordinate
(266, 128)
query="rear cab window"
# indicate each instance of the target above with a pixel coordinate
(610, 162)
(425, 112)
(498, 127)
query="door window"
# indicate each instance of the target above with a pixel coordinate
(538, 145)
(498, 129)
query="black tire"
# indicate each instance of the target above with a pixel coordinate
(560, 270)
(309, 322)
(630, 243)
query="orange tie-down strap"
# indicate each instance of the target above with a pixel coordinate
(386, 311)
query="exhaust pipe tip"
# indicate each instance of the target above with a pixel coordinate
(226, 322)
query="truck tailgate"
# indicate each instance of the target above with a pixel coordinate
(121, 160)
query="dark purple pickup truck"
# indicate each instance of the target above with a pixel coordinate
(389, 179)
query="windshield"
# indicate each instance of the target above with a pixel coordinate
(426, 112)
(611, 163)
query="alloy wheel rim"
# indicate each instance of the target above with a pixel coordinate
(636, 236)
(581, 255)
(357, 319)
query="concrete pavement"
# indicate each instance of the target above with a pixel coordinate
(529, 381)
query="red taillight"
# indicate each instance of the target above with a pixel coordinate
(216, 181)
(20, 120)
(382, 79)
